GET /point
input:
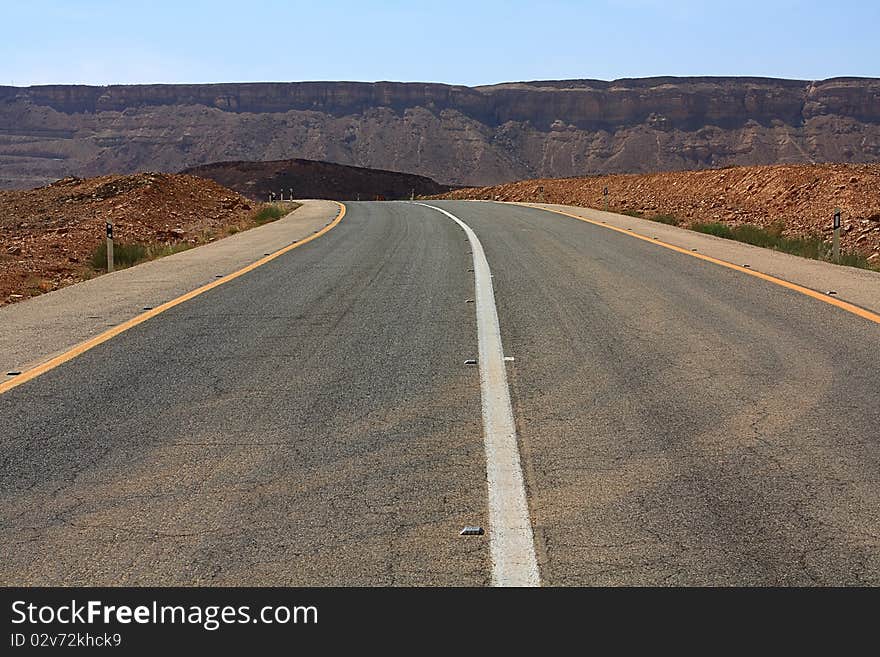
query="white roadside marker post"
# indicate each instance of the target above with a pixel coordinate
(835, 243)
(605, 194)
(109, 247)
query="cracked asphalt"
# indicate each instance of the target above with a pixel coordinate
(312, 423)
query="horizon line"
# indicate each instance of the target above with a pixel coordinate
(446, 84)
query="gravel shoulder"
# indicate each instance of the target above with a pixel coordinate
(37, 329)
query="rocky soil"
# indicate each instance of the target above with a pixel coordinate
(48, 234)
(803, 197)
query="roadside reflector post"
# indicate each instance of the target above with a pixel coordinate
(109, 247)
(541, 194)
(835, 243)
(605, 195)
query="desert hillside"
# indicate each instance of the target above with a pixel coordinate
(452, 134)
(48, 235)
(803, 198)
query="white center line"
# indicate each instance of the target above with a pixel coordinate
(511, 543)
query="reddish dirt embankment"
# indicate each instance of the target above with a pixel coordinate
(802, 197)
(48, 234)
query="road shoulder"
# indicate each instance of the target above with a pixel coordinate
(857, 286)
(38, 329)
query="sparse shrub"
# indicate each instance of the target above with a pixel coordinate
(634, 213)
(270, 212)
(855, 260)
(807, 247)
(128, 255)
(124, 255)
(161, 250)
(810, 246)
(714, 228)
(668, 219)
(751, 234)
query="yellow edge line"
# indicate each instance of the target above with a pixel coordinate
(140, 319)
(849, 307)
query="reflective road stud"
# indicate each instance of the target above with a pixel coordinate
(471, 531)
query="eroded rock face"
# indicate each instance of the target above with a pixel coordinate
(452, 134)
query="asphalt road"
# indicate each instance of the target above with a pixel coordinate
(312, 422)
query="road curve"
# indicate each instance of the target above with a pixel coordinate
(312, 422)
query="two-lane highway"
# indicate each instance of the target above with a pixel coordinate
(313, 421)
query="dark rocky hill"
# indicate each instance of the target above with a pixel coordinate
(311, 179)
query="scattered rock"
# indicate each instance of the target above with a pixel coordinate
(800, 198)
(58, 243)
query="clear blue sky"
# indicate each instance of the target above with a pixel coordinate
(124, 41)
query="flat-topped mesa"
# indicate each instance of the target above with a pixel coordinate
(683, 101)
(453, 134)
(257, 97)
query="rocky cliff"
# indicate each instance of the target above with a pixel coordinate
(453, 134)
